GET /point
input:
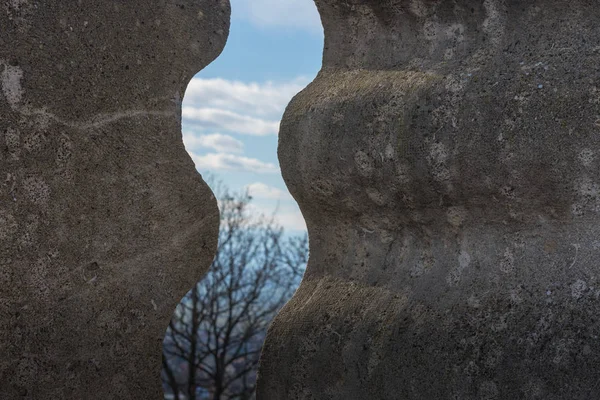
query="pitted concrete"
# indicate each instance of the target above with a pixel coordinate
(446, 162)
(104, 222)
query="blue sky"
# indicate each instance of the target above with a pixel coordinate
(232, 108)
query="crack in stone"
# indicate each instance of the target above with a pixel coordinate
(11, 77)
(99, 120)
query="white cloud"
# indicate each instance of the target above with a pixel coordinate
(299, 14)
(267, 99)
(263, 191)
(213, 118)
(232, 162)
(215, 141)
(290, 218)
(233, 108)
(292, 221)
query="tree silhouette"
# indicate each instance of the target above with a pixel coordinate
(213, 342)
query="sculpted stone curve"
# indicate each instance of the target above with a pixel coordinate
(104, 222)
(446, 161)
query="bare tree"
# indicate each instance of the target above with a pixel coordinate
(213, 342)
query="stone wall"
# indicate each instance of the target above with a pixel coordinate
(446, 162)
(104, 222)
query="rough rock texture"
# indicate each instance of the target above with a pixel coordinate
(446, 160)
(104, 222)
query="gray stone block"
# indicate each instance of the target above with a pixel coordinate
(104, 222)
(446, 162)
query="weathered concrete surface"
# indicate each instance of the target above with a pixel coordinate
(104, 223)
(446, 160)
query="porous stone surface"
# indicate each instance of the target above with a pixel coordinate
(446, 160)
(104, 222)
